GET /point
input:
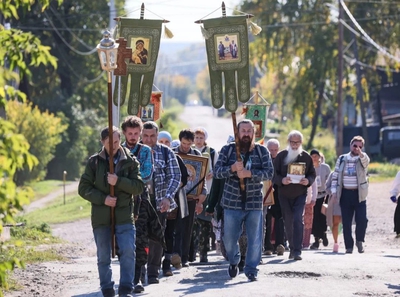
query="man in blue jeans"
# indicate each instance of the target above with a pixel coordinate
(350, 189)
(243, 206)
(94, 186)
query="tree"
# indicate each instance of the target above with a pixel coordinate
(15, 46)
(78, 87)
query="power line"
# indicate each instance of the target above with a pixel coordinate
(369, 39)
(73, 34)
(352, 61)
(66, 42)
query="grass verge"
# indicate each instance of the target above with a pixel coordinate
(56, 212)
(45, 187)
(28, 244)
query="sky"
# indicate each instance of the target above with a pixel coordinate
(182, 14)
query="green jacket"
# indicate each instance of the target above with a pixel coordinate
(94, 187)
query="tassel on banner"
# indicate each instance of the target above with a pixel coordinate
(205, 33)
(167, 33)
(255, 29)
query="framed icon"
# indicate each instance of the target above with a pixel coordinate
(197, 169)
(227, 48)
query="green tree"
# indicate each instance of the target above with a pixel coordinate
(15, 47)
(78, 87)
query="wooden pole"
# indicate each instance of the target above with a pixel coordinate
(235, 129)
(111, 159)
(339, 115)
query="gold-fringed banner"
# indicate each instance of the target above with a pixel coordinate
(143, 36)
(228, 56)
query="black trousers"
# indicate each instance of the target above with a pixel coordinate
(319, 220)
(279, 228)
(397, 218)
(183, 232)
(156, 251)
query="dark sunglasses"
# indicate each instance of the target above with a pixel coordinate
(355, 145)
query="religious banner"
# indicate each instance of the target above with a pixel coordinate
(228, 56)
(143, 36)
(152, 111)
(257, 111)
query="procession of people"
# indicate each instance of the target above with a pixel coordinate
(164, 226)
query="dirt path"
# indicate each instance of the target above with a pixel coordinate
(40, 203)
(370, 274)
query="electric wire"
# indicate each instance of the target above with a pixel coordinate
(72, 33)
(370, 40)
(66, 42)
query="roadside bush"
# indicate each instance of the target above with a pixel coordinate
(42, 131)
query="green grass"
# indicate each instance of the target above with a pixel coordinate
(43, 188)
(382, 171)
(56, 212)
(28, 244)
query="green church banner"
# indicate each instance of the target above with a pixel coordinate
(143, 36)
(228, 60)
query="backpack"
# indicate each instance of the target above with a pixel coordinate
(211, 152)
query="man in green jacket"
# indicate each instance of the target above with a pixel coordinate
(94, 186)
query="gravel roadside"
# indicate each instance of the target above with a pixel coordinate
(321, 272)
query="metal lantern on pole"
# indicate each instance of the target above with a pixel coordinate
(108, 50)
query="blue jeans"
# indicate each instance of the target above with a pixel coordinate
(125, 239)
(350, 207)
(233, 222)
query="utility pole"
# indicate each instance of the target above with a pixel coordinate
(339, 115)
(360, 96)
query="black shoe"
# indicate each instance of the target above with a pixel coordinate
(108, 292)
(138, 288)
(166, 268)
(185, 264)
(251, 277)
(315, 245)
(291, 255)
(203, 258)
(325, 240)
(233, 270)
(360, 247)
(297, 258)
(349, 251)
(153, 280)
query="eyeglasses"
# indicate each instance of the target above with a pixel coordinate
(355, 146)
(295, 142)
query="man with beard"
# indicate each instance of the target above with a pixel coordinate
(292, 195)
(350, 189)
(145, 215)
(243, 207)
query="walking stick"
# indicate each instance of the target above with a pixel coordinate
(111, 160)
(237, 147)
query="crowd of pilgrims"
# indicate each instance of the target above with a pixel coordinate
(173, 235)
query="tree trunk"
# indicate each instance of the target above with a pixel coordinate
(315, 118)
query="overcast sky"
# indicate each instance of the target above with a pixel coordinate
(182, 14)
